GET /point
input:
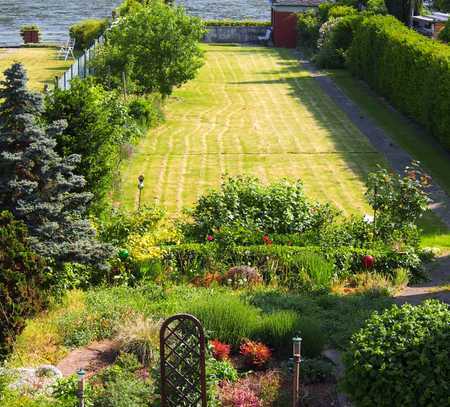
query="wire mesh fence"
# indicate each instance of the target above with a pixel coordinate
(80, 68)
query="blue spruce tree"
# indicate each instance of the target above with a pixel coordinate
(37, 185)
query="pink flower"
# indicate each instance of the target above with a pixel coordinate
(209, 238)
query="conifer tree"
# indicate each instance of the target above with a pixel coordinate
(36, 184)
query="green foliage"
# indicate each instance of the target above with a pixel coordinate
(442, 5)
(236, 23)
(87, 31)
(401, 358)
(401, 9)
(341, 11)
(317, 370)
(156, 46)
(444, 35)
(376, 7)
(39, 186)
(308, 25)
(120, 387)
(405, 66)
(228, 318)
(117, 226)
(220, 370)
(145, 110)
(281, 207)
(25, 285)
(336, 36)
(398, 201)
(98, 125)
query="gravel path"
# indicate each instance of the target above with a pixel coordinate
(397, 158)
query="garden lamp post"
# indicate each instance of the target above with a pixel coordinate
(81, 374)
(297, 353)
(140, 187)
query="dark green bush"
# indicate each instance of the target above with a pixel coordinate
(444, 35)
(87, 31)
(25, 285)
(308, 25)
(145, 110)
(336, 37)
(98, 125)
(400, 358)
(236, 23)
(411, 70)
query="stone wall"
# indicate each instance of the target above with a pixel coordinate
(236, 34)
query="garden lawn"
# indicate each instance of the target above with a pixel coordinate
(251, 110)
(41, 63)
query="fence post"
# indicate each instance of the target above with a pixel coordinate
(65, 80)
(84, 68)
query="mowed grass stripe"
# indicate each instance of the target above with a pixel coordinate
(255, 111)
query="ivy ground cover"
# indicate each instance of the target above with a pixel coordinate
(41, 64)
(251, 110)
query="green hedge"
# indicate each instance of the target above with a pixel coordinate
(87, 31)
(194, 259)
(236, 23)
(411, 70)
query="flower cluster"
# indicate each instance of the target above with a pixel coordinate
(220, 350)
(256, 354)
(243, 276)
(267, 240)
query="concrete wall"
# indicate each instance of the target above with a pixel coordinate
(240, 35)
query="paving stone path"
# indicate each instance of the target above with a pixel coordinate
(397, 158)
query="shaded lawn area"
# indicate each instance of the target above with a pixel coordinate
(251, 110)
(41, 64)
(415, 140)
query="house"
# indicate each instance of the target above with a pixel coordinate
(284, 20)
(431, 24)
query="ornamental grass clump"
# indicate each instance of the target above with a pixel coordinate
(400, 358)
(228, 318)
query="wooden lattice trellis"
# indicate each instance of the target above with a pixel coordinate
(182, 351)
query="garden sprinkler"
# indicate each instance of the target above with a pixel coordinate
(297, 353)
(140, 187)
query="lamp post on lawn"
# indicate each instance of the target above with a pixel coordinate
(140, 187)
(81, 374)
(297, 353)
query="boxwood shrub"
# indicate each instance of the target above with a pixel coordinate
(400, 358)
(409, 69)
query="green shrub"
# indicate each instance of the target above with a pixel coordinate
(87, 31)
(444, 35)
(97, 126)
(405, 67)
(308, 25)
(25, 284)
(336, 36)
(281, 207)
(314, 271)
(401, 358)
(442, 5)
(317, 370)
(227, 318)
(277, 330)
(236, 23)
(341, 11)
(145, 110)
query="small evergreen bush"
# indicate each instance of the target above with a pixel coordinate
(400, 357)
(308, 25)
(25, 285)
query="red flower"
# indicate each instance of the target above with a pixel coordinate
(267, 240)
(221, 351)
(209, 238)
(256, 354)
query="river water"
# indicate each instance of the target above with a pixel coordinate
(55, 16)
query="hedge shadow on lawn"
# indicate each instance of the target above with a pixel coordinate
(347, 140)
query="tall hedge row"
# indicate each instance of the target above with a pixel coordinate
(411, 70)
